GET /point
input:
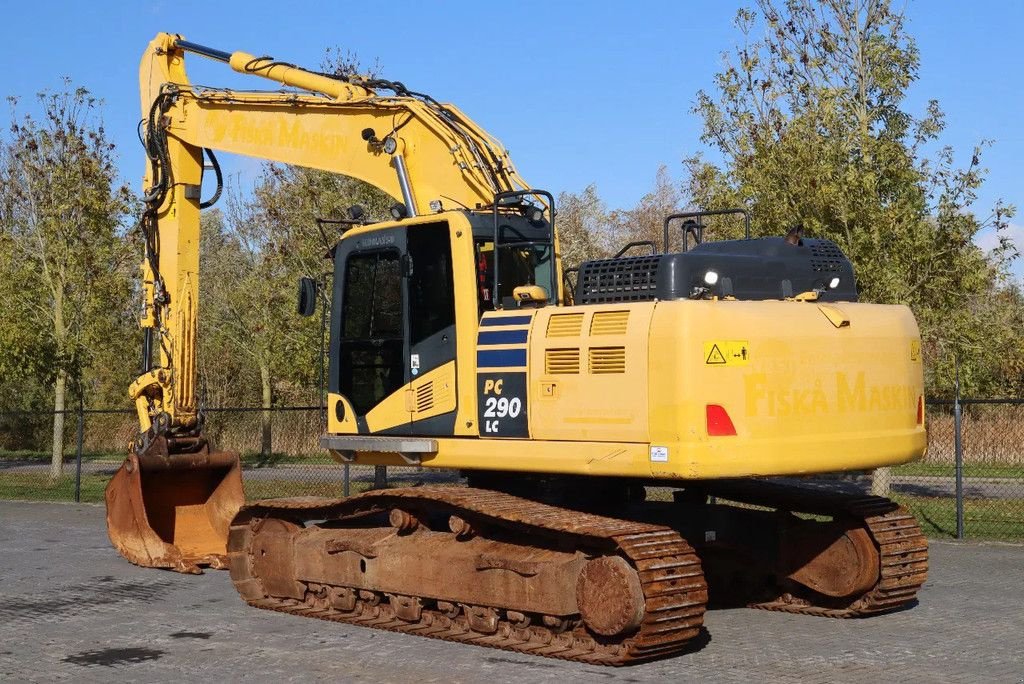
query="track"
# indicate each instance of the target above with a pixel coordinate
(672, 591)
(902, 546)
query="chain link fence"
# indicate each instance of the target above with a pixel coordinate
(970, 485)
(279, 449)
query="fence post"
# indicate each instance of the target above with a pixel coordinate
(958, 450)
(345, 485)
(380, 477)
(80, 438)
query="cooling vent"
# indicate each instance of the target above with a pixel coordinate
(607, 360)
(562, 361)
(609, 323)
(825, 256)
(565, 325)
(626, 279)
(425, 397)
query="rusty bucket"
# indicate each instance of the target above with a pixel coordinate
(173, 510)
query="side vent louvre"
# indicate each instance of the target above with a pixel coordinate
(562, 361)
(607, 360)
(609, 323)
(424, 397)
(565, 325)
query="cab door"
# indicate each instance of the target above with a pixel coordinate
(393, 349)
(371, 303)
(432, 397)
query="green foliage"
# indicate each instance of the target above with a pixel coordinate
(587, 229)
(582, 224)
(253, 344)
(809, 125)
(646, 220)
(254, 348)
(64, 257)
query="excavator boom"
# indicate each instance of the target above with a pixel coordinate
(171, 502)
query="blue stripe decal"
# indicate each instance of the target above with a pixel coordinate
(502, 337)
(506, 320)
(500, 358)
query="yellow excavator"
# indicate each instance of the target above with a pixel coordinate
(615, 430)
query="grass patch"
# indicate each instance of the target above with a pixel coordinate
(37, 487)
(996, 519)
(44, 456)
(970, 470)
(249, 459)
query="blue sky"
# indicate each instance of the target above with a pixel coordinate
(580, 92)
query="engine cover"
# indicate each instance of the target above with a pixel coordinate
(759, 269)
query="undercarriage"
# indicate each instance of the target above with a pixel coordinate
(485, 567)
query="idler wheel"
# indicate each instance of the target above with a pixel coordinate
(609, 596)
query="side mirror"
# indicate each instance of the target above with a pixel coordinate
(307, 297)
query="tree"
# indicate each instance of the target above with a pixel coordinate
(583, 225)
(809, 124)
(252, 258)
(62, 214)
(226, 375)
(646, 221)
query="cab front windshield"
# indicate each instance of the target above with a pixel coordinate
(519, 263)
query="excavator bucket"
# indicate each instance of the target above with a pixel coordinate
(174, 510)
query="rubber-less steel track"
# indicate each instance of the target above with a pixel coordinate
(902, 546)
(673, 586)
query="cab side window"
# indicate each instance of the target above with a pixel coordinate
(431, 286)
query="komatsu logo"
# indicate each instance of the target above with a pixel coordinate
(841, 394)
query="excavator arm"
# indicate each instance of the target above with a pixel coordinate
(171, 503)
(419, 151)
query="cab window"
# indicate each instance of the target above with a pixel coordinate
(371, 336)
(523, 263)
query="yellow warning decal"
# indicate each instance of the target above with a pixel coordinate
(915, 350)
(726, 353)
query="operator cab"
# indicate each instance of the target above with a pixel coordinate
(402, 290)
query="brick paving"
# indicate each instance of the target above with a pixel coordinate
(72, 610)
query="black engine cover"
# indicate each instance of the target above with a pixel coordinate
(763, 268)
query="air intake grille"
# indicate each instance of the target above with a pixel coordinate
(630, 279)
(424, 397)
(609, 323)
(607, 360)
(565, 325)
(562, 361)
(826, 256)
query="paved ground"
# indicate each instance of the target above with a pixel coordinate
(71, 609)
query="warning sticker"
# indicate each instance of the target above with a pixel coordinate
(726, 353)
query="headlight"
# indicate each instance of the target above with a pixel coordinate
(710, 278)
(833, 284)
